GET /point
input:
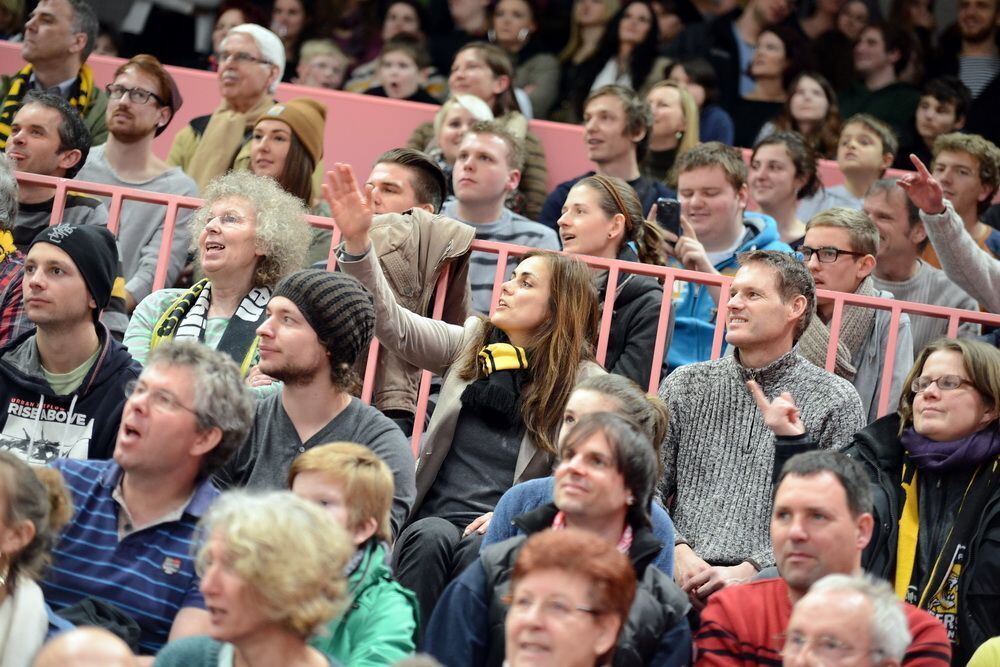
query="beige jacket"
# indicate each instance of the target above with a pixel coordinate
(436, 346)
(413, 248)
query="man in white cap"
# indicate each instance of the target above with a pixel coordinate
(251, 63)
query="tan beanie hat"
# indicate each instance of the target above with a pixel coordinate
(306, 117)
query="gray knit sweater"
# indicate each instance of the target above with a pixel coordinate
(719, 454)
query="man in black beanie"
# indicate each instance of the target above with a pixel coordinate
(318, 324)
(62, 386)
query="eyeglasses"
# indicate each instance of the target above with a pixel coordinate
(826, 254)
(944, 383)
(137, 95)
(553, 608)
(827, 648)
(162, 401)
(241, 58)
(228, 219)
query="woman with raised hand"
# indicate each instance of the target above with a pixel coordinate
(935, 466)
(782, 172)
(272, 573)
(34, 505)
(602, 217)
(484, 70)
(506, 379)
(249, 234)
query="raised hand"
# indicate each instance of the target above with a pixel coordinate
(781, 415)
(687, 249)
(923, 189)
(351, 209)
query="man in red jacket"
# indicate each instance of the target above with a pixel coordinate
(820, 524)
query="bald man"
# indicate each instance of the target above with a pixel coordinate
(86, 647)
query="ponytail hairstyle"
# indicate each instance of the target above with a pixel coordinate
(616, 196)
(559, 346)
(648, 411)
(37, 496)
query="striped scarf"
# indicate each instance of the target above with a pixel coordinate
(81, 97)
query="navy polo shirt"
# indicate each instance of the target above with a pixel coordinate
(149, 575)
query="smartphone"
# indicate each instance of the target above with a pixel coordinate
(668, 215)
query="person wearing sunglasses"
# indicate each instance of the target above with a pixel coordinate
(143, 99)
(251, 62)
(839, 249)
(934, 466)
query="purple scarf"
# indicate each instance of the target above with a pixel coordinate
(967, 452)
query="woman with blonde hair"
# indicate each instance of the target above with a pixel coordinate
(34, 506)
(249, 234)
(272, 573)
(506, 380)
(674, 130)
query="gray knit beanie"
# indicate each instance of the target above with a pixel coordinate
(338, 308)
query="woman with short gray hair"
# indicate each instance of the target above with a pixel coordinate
(248, 235)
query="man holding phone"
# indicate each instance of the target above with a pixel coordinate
(616, 122)
(712, 190)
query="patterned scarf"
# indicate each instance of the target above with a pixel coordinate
(855, 327)
(187, 317)
(81, 96)
(496, 397)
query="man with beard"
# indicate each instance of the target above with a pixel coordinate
(975, 59)
(143, 100)
(318, 324)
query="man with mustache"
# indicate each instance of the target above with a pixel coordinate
(143, 101)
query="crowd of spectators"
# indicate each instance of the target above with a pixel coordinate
(189, 474)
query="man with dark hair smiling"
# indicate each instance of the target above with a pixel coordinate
(720, 491)
(318, 324)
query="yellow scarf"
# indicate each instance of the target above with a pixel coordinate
(82, 96)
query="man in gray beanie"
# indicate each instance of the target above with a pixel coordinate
(62, 386)
(318, 325)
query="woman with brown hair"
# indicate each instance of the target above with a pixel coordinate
(34, 505)
(506, 380)
(811, 110)
(485, 70)
(782, 172)
(602, 217)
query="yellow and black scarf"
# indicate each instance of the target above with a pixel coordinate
(496, 395)
(81, 97)
(935, 586)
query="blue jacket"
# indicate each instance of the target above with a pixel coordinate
(526, 496)
(694, 308)
(715, 124)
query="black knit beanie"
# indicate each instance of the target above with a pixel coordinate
(338, 308)
(93, 250)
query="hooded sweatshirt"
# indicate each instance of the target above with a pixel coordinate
(694, 308)
(40, 426)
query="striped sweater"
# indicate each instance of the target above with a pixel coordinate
(719, 455)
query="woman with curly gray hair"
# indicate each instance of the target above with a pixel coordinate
(248, 235)
(272, 573)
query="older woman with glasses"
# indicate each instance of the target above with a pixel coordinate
(249, 234)
(935, 465)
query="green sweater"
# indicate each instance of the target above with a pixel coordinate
(380, 625)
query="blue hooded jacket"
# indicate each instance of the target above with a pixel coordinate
(695, 311)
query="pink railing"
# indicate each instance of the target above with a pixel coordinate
(615, 269)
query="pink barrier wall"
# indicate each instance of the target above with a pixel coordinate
(615, 269)
(358, 127)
